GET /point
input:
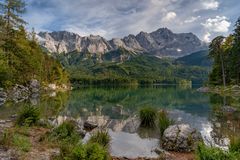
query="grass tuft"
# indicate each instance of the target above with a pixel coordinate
(163, 121)
(101, 137)
(148, 116)
(28, 116)
(66, 132)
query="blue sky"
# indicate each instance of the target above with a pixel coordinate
(118, 18)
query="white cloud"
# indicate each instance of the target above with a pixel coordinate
(219, 24)
(207, 38)
(210, 4)
(192, 19)
(169, 17)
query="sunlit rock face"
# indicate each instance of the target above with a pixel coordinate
(162, 42)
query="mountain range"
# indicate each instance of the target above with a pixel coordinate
(161, 43)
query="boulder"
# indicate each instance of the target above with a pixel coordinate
(180, 138)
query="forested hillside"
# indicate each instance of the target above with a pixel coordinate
(21, 58)
(122, 66)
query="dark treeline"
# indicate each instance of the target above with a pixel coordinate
(225, 52)
(21, 58)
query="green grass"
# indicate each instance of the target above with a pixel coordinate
(101, 137)
(148, 116)
(66, 132)
(235, 145)
(15, 139)
(163, 121)
(212, 153)
(28, 116)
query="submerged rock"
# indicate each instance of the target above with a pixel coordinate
(203, 89)
(229, 109)
(180, 138)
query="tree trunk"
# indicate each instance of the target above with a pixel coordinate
(223, 71)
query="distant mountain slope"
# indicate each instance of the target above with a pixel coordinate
(122, 66)
(162, 42)
(199, 58)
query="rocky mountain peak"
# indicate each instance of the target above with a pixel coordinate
(162, 42)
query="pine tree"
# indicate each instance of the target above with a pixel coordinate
(235, 61)
(216, 52)
(12, 21)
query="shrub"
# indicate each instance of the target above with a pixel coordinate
(164, 121)
(101, 137)
(89, 151)
(95, 151)
(65, 132)
(28, 116)
(212, 153)
(148, 116)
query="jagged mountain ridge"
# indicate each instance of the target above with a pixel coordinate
(162, 42)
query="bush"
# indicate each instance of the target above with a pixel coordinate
(212, 153)
(164, 121)
(65, 132)
(101, 137)
(95, 151)
(148, 116)
(89, 151)
(28, 116)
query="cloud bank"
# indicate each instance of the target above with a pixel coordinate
(115, 18)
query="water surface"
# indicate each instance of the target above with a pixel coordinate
(116, 108)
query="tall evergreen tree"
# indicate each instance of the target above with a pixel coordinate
(217, 53)
(235, 60)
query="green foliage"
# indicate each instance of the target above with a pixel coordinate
(163, 121)
(101, 137)
(225, 53)
(124, 67)
(28, 116)
(148, 116)
(66, 132)
(21, 58)
(95, 151)
(235, 145)
(21, 142)
(199, 58)
(211, 153)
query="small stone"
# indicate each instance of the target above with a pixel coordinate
(89, 125)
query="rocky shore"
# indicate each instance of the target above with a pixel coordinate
(31, 91)
(172, 150)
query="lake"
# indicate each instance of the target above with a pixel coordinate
(117, 107)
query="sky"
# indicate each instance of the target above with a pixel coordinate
(118, 18)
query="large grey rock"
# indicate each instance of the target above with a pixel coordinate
(180, 138)
(203, 89)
